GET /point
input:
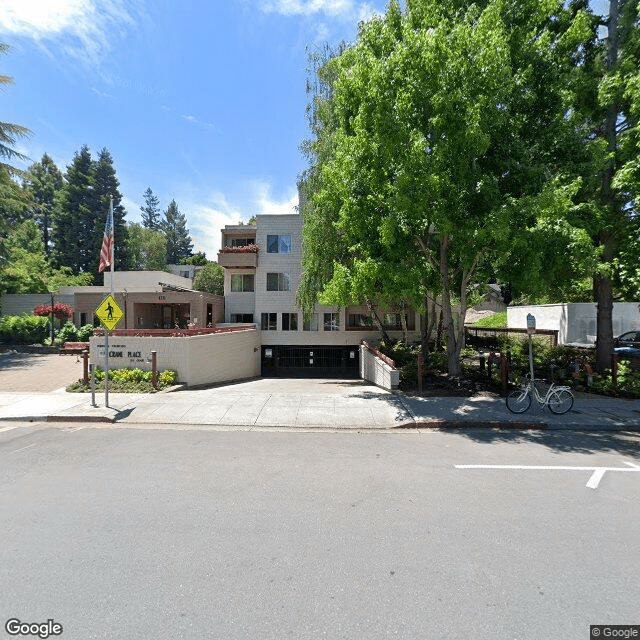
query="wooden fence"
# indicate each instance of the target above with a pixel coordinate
(486, 337)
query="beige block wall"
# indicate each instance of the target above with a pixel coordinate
(198, 360)
(289, 263)
(375, 370)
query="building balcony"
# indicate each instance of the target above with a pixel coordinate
(234, 257)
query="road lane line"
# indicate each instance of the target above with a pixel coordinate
(594, 479)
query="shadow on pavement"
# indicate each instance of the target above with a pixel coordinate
(626, 443)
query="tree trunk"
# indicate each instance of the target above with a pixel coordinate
(453, 352)
(602, 285)
(376, 320)
(403, 322)
(428, 325)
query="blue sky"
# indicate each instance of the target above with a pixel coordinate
(202, 100)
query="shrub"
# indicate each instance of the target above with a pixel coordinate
(24, 329)
(128, 381)
(67, 333)
(168, 378)
(85, 332)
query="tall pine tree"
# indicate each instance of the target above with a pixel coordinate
(45, 181)
(74, 211)
(151, 210)
(179, 243)
(106, 184)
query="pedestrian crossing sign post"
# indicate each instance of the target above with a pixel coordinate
(109, 313)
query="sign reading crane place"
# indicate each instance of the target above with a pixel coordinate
(127, 356)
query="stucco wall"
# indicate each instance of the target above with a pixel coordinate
(198, 360)
(15, 304)
(576, 322)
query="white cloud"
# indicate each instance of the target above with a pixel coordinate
(207, 216)
(308, 7)
(194, 120)
(84, 29)
(266, 206)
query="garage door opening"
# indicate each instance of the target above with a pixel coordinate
(285, 361)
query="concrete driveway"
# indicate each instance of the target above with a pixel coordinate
(35, 372)
(273, 402)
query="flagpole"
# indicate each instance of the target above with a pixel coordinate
(106, 333)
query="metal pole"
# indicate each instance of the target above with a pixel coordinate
(106, 333)
(154, 370)
(531, 356)
(93, 385)
(106, 368)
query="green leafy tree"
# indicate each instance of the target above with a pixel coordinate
(426, 135)
(26, 270)
(199, 259)
(9, 133)
(45, 182)
(151, 210)
(210, 279)
(607, 112)
(146, 248)
(179, 243)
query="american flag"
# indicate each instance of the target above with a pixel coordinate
(106, 252)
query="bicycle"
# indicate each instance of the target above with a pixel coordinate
(558, 399)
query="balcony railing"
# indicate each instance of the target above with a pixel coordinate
(246, 256)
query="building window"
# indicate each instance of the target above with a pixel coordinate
(241, 242)
(241, 282)
(311, 324)
(289, 321)
(242, 317)
(331, 321)
(279, 244)
(269, 322)
(360, 321)
(184, 274)
(392, 321)
(278, 282)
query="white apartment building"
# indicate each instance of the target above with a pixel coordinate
(262, 275)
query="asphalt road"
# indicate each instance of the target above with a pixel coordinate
(122, 533)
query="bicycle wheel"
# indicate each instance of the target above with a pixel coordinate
(560, 401)
(519, 401)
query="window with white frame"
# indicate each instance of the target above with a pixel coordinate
(279, 244)
(242, 282)
(331, 321)
(289, 321)
(242, 317)
(278, 282)
(269, 321)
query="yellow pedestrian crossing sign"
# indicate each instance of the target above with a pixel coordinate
(109, 313)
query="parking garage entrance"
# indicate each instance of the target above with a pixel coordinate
(289, 361)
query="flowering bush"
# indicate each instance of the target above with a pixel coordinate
(61, 310)
(249, 248)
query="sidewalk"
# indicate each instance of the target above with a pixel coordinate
(311, 404)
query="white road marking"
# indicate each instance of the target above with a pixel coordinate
(9, 428)
(33, 444)
(594, 480)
